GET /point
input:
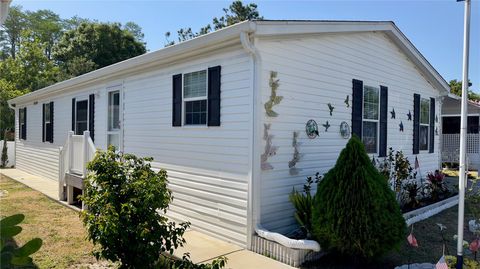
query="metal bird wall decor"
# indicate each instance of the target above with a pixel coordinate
(296, 156)
(270, 150)
(347, 101)
(274, 99)
(331, 108)
(326, 125)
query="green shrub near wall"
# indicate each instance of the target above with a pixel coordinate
(355, 212)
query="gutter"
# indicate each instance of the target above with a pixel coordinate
(254, 216)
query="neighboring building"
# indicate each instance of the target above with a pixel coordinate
(205, 110)
(451, 110)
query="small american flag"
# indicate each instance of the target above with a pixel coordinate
(441, 264)
(412, 240)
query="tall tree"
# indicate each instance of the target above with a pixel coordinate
(7, 116)
(235, 13)
(456, 88)
(102, 43)
(135, 30)
(46, 27)
(30, 69)
(11, 33)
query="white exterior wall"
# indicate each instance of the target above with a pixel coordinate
(41, 158)
(317, 70)
(208, 167)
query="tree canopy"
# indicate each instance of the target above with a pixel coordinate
(456, 88)
(235, 13)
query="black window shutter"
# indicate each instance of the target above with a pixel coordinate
(214, 81)
(357, 109)
(43, 123)
(432, 125)
(382, 152)
(24, 130)
(177, 100)
(73, 114)
(91, 115)
(50, 129)
(416, 123)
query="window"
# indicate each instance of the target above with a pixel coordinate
(23, 123)
(370, 124)
(195, 98)
(81, 117)
(424, 123)
(113, 133)
(48, 122)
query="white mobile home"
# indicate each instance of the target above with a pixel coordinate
(240, 116)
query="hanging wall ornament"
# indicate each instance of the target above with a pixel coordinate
(409, 115)
(347, 101)
(401, 126)
(330, 108)
(344, 130)
(326, 125)
(393, 113)
(436, 130)
(274, 99)
(436, 118)
(296, 156)
(269, 149)
(311, 128)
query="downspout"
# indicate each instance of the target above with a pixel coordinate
(254, 218)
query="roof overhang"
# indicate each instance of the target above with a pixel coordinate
(231, 34)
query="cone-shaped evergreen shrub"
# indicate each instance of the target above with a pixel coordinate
(355, 212)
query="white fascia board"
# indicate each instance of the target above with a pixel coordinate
(169, 54)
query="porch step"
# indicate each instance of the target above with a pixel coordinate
(74, 180)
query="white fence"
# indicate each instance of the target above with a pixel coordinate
(451, 149)
(10, 152)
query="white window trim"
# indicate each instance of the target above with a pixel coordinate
(424, 124)
(110, 89)
(370, 120)
(45, 124)
(88, 113)
(198, 98)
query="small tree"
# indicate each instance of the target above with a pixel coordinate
(355, 212)
(4, 158)
(125, 218)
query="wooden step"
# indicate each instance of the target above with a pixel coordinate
(74, 180)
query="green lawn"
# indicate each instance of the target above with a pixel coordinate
(60, 228)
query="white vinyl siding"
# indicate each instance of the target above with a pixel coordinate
(314, 71)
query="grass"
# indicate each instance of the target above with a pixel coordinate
(60, 228)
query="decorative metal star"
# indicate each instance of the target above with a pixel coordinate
(330, 107)
(347, 101)
(393, 113)
(326, 125)
(409, 115)
(401, 126)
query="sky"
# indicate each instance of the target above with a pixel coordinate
(435, 27)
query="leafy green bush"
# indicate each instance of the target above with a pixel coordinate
(355, 212)
(303, 203)
(125, 218)
(10, 255)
